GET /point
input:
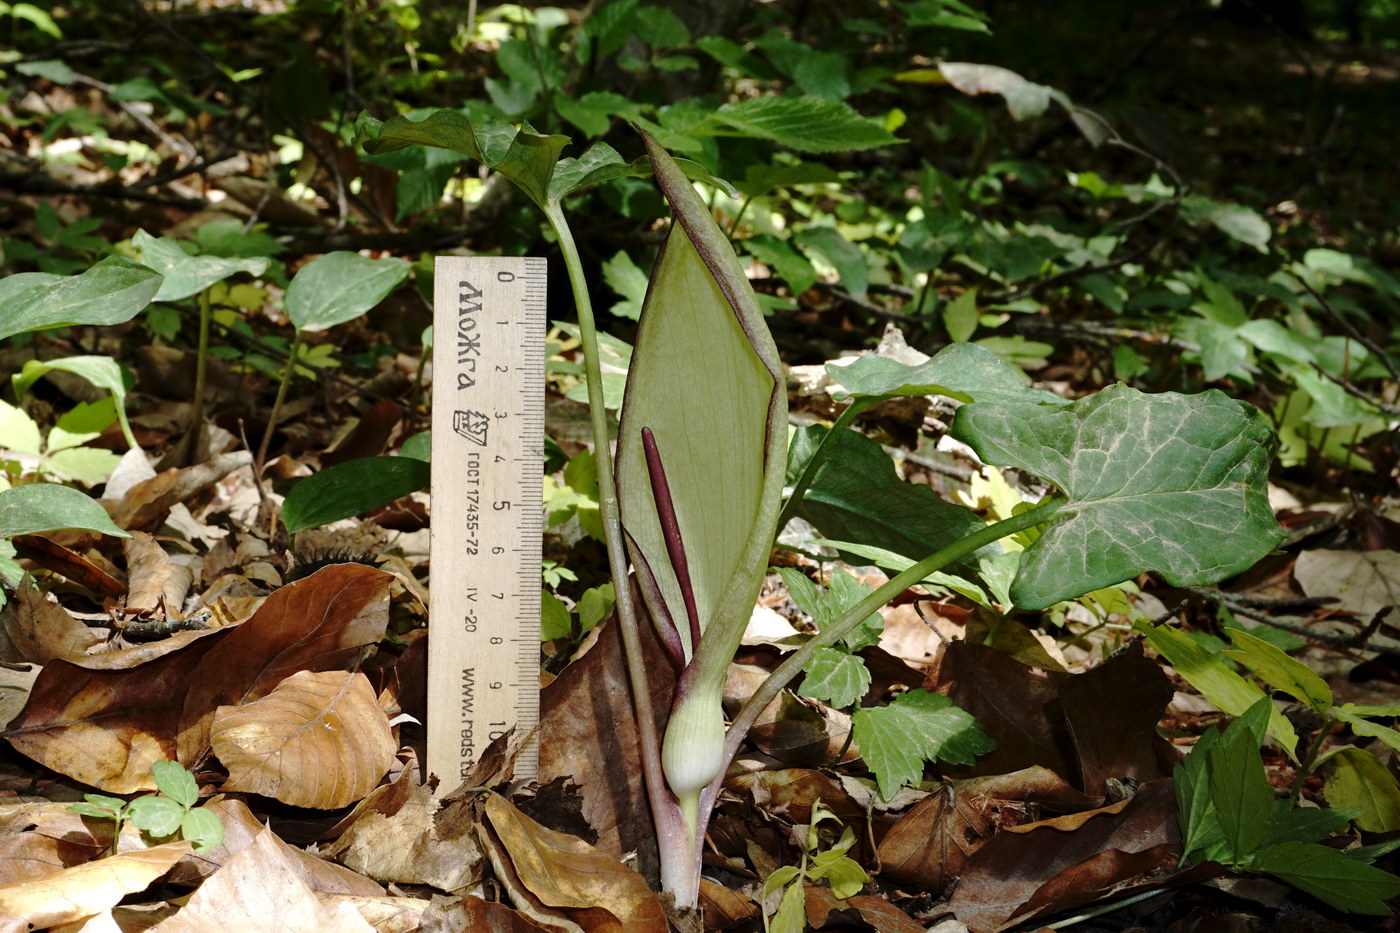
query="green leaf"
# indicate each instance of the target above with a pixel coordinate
(825, 606)
(18, 431)
(339, 287)
(1024, 99)
(95, 811)
(1216, 681)
(808, 124)
(526, 158)
(1234, 220)
(844, 874)
(554, 619)
(203, 830)
(1305, 824)
(175, 782)
(1281, 672)
(791, 915)
(81, 423)
(835, 677)
(841, 254)
(1239, 788)
(351, 488)
(1365, 727)
(187, 275)
(111, 292)
(1330, 876)
(964, 371)
(593, 605)
(89, 465)
(786, 262)
(856, 496)
(1201, 837)
(41, 507)
(1356, 779)
(624, 277)
(960, 316)
(1170, 483)
(158, 816)
(701, 326)
(895, 740)
(779, 878)
(102, 371)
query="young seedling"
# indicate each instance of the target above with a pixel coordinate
(1167, 483)
(173, 810)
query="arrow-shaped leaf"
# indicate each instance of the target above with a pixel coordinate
(1170, 483)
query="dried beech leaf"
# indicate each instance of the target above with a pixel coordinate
(565, 872)
(401, 844)
(471, 914)
(385, 914)
(824, 909)
(24, 856)
(320, 623)
(51, 555)
(83, 890)
(258, 889)
(241, 827)
(318, 740)
(146, 504)
(35, 630)
(104, 719)
(154, 581)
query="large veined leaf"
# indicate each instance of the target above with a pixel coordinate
(963, 371)
(721, 450)
(351, 488)
(40, 507)
(809, 124)
(339, 287)
(112, 291)
(187, 275)
(1169, 483)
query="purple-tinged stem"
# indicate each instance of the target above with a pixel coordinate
(671, 531)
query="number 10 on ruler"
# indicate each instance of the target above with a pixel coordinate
(487, 516)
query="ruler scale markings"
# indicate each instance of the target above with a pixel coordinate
(488, 421)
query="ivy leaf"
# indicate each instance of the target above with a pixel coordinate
(1170, 483)
(808, 123)
(339, 287)
(185, 274)
(111, 292)
(895, 740)
(835, 677)
(40, 507)
(1329, 876)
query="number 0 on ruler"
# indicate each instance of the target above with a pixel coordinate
(487, 517)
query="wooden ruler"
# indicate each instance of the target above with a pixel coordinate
(487, 512)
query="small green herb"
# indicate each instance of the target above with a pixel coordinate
(173, 810)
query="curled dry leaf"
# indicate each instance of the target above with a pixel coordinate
(471, 914)
(401, 843)
(241, 827)
(155, 582)
(259, 889)
(317, 740)
(87, 889)
(595, 890)
(825, 909)
(146, 504)
(51, 555)
(104, 719)
(35, 630)
(320, 623)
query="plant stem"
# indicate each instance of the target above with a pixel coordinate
(1310, 759)
(201, 367)
(809, 472)
(672, 836)
(261, 458)
(793, 664)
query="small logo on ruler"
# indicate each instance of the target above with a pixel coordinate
(472, 425)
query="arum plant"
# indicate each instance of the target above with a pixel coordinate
(1168, 483)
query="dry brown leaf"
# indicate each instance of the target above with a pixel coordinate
(258, 890)
(146, 504)
(1111, 712)
(723, 907)
(385, 914)
(104, 719)
(16, 683)
(1364, 581)
(36, 855)
(241, 827)
(317, 740)
(400, 843)
(320, 623)
(35, 630)
(565, 872)
(930, 844)
(471, 914)
(588, 734)
(825, 908)
(1043, 868)
(154, 582)
(83, 890)
(51, 555)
